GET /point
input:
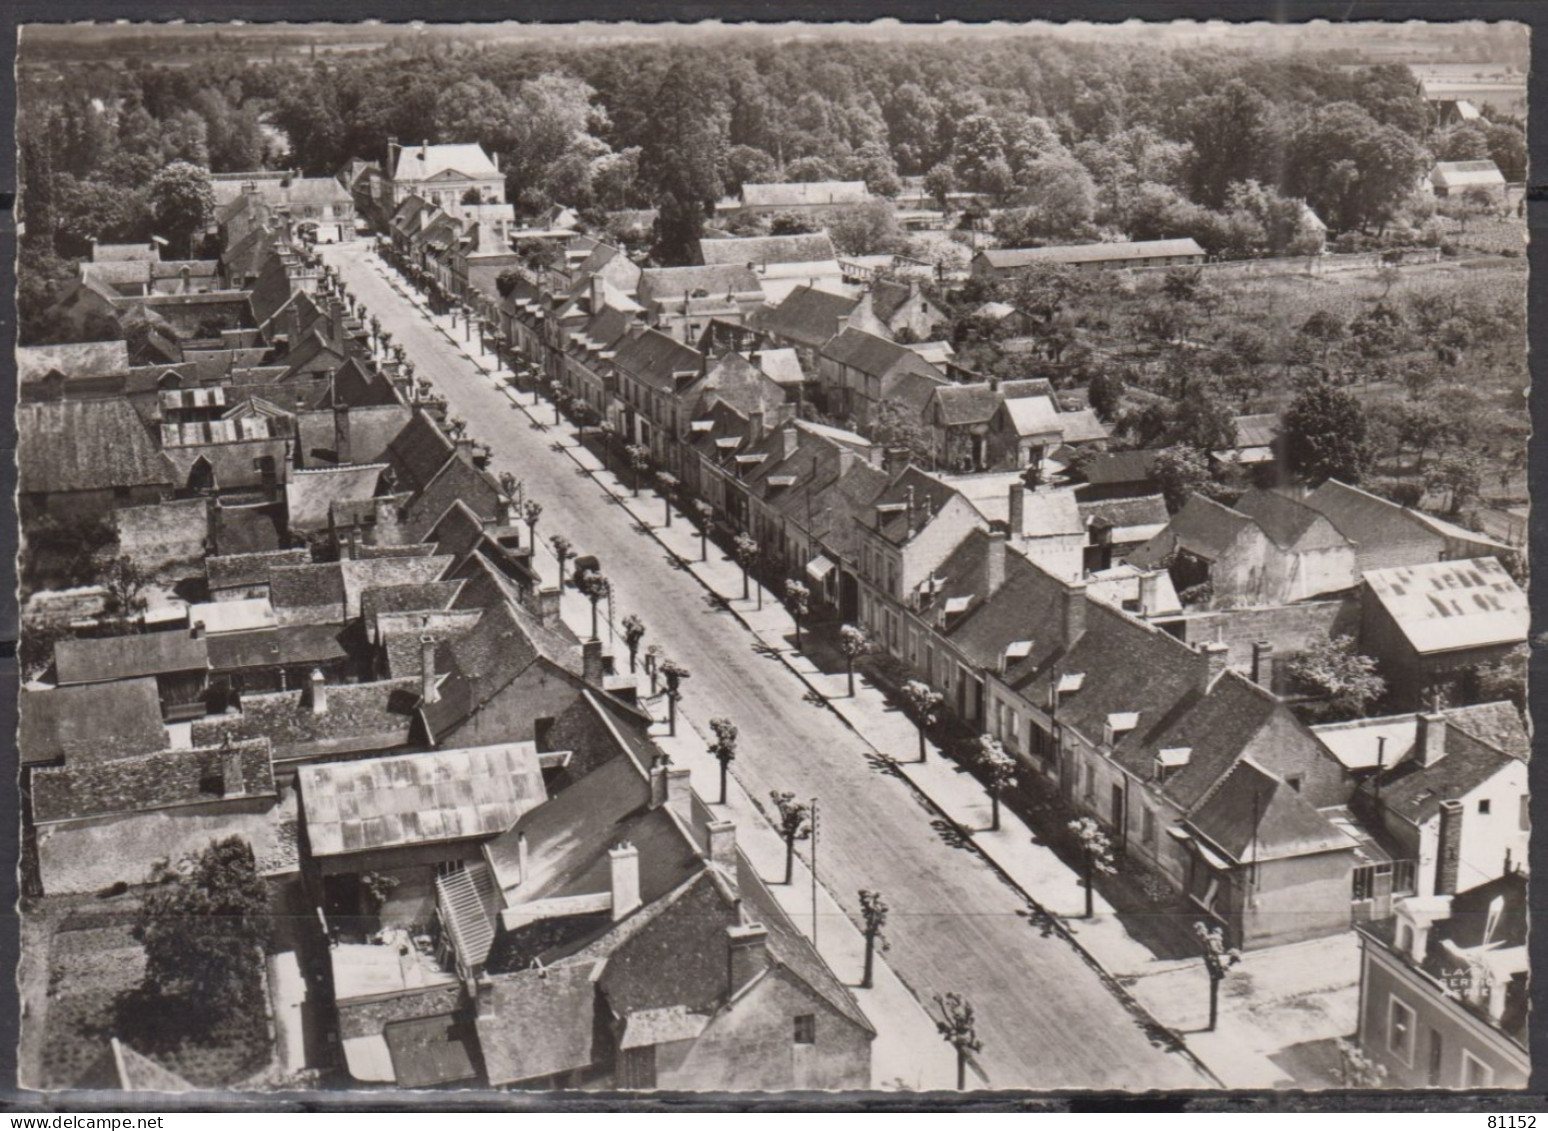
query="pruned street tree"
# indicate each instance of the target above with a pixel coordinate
(705, 513)
(999, 770)
(854, 642)
(798, 599)
(674, 674)
(923, 705)
(1096, 855)
(595, 587)
(794, 823)
(666, 487)
(639, 463)
(653, 656)
(958, 1027)
(873, 917)
(1218, 960)
(724, 749)
(531, 511)
(633, 633)
(745, 548)
(563, 551)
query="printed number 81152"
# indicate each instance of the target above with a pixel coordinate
(1513, 1122)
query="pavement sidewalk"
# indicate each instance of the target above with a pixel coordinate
(1264, 1006)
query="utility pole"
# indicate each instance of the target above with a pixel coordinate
(814, 873)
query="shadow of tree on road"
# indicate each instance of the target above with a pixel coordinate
(951, 833)
(885, 763)
(816, 699)
(767, 652)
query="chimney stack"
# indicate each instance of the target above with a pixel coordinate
(623, 864)
(592, 667)
(1016, 518)
(1072, 600)
(754, 427)
(1430, 739)
(197, 631)
(722, 844)
(233, 776)
(747, 953)
(1448, 849)
(319, 693)
(341, 446)
(483, 1000)
(1217, 657)
(679, 793)
(790, 441)
(1263, 664)
(548, 606)
(1149, 593)
(505, 511)
(994, 564)
(658, 781)
(894, 460)
(521, 857)
(428, 691)
(598, 294)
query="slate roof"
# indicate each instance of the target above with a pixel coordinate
(429, 1051)
(1011, 257)
(360, 717)
(963, 405)
(91, 722)
(1024, 608)
(1207, 528)
(415, 597)
(146, 782)
(283, 645)
(1444, 606)
(423, 162)
(1289, 524)
(410, 799)
(807, 316)
(1106, 468)
(1033, 416)
(1370, 522)
(653, 357)
(542, 1024)
(875, 356)
(95, 659)
(1287, 825)
(667, 285)
(1416, 792)
(418, 452)
(71, 359)
(457, 481)
(318, 585)
(87, 445)
(371, 430)
(1143, 510)
(805, 248)
(310, 495)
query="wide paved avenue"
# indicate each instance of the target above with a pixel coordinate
(1046, 1017)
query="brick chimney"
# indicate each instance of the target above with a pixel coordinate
(623, 866)
(428, 691)
(1016, 517)
(1217, 658)
(341, 447)
(521, 857)
(197, 631)
(1072, 608)
(548, 606)
(1448, 848)
(1149, 593)
(722, 844)
(1263, 663)
(894, 460)
(319, 693)
(598, 293)
(658, 781)
(233, 775)
(1430, 739)
(679, 793)
(747, 954)
(994, 564)
(592, 667)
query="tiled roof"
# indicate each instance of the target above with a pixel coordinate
(1033, 416)
(1143, 510)
(1416, 792)
(310, 495)
(1457, 174)
(542, 1023)
(806, 248)
(457, 481)
(418, 452)
(245, 530)
(147, 782)
(360, 575)
(87, 445)
(360, 717)
(1119, 467)
(1498, 724)
(873, 355)
(667, 285)
(415, 597)
(1286, 824)
(1258, 430)
(1082, 425)
(910, 389)
(313, 586)
(1025, 607)
(1207, 528)
(653, 357)
(807, 316)
(409, 799)
(94, 659)
(1289, 524)
(284, 645)
(429, 1051)
(1445, 606)
(804, 194)
(71, 359)
(1367, 520)
(90, 723)
(230, 571)
(118, 252)
(424, 162)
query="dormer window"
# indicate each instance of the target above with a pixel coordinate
(1118, 724)
(1170, 759)
(1068, 684)
(1015, 650)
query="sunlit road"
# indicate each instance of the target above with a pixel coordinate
(1045, 1017)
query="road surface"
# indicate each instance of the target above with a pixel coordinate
(1046, 1018)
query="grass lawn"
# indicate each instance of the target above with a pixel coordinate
(94, 972)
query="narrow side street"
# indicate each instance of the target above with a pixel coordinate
(1047, 1016)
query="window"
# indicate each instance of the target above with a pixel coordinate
(1013, 730)
(806, 1029)
(1400, 1031)
(637, 1067)
(1483, 807)
(1475, 1073)
(1148, 828)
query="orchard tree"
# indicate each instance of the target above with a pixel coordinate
(959, 1029)
(125, 584)
(1323, 434)
(798, 599)
(940, 182)
(854, 642)
(633, 633)
(873, 914)
(1096, 855)
(794, 823)
(999, 770)
(1105, 394)
(1335, 671)
(922, 704)
(1180, 470)
(1218, 960)
(724, 749)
